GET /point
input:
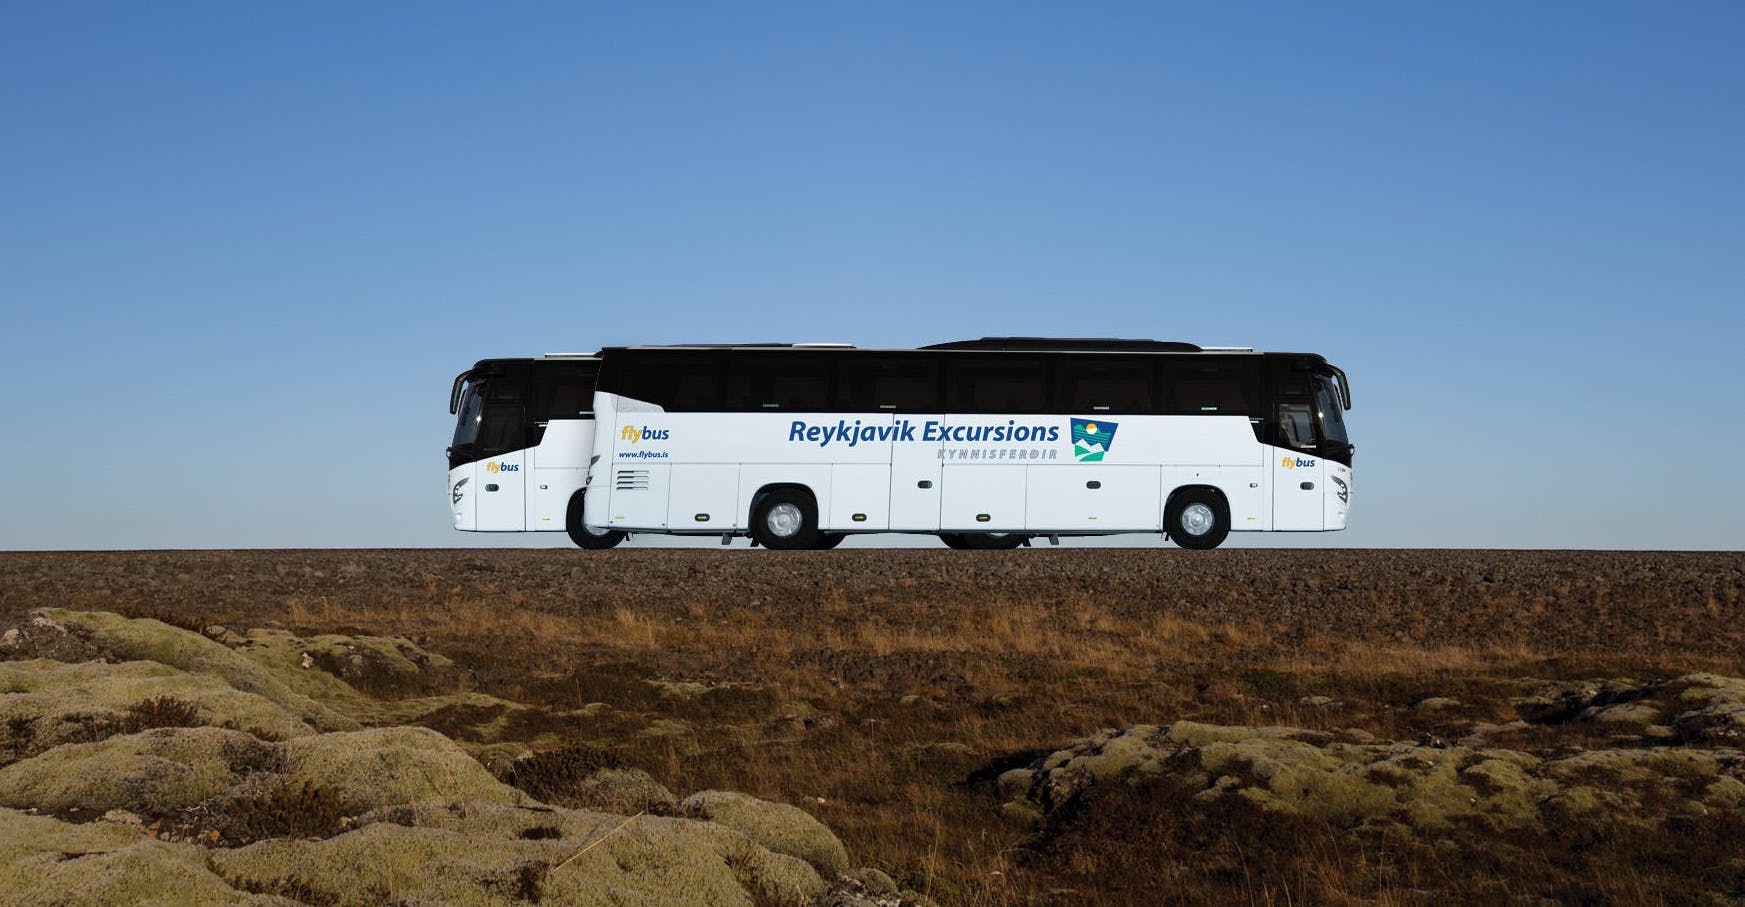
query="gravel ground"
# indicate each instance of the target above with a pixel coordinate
(1569, 601)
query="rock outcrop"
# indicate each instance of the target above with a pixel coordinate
(1392, 786)
(238, 768)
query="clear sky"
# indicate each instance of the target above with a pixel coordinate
(245, 247)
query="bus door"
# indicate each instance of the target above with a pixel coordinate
(500, 474)
(565, 430)
(1297, 474)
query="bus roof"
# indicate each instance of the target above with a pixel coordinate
(994, 344)
(991, 344)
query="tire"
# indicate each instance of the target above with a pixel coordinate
(953, 541)
(985, 541)
(582, 535)
(828, 540)
(1198, 519)
(786, 520)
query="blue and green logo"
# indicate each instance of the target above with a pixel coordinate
(1091, 439)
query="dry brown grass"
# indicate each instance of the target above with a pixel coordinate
(882, 690)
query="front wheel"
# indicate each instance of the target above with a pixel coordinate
(1197, 519)
(591, 539)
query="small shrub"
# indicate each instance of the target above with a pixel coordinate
(559, 773)
(160, 711)
(279, 809)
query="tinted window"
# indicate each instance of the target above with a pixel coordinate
(672, 380)
(506, 386)
(471, 412)
(1115, 385)
(1211, 389)
(997, 384)
(1329, 411)
(777, 381)
(1295, 427)
(566, 390)
(905, 384)
(504, 428)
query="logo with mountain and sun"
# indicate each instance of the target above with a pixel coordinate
(1091, 439)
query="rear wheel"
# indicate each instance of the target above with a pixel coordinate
(1197, 519)
(786, 520)
(591, 539)
(983, 541)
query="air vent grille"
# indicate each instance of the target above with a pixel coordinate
(631, 480)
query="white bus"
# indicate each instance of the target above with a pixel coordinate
(986, 443)
(523, 436)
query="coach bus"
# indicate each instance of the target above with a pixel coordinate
(524, 432)
(985, 444)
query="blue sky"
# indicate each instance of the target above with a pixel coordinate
(245, 247)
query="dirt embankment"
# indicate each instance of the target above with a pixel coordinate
(1041, 726)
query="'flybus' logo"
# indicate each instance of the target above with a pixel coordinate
(635, 433)
(495, 466)
(1294, 462)
(1091, 440)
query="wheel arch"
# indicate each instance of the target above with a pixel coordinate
(1169, 502)
(768, 488)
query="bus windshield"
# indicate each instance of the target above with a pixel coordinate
(1329, 413)
(470, 412)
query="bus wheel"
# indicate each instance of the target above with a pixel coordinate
(591, 539)
(1197, 519)
(828, 540)
(786, 520)
(990, 541)
(953, 540)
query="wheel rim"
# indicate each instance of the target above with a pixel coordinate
(1197, 519)
(596, 533)
(784, 520)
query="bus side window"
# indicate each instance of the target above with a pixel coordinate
(903, 383)
(1224, 389)
(1104, 386)
(996, 384)
(676, 380)
(1296, 426)
(795, 382)
(565, 391)
(504, 428)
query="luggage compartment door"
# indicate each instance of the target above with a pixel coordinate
(639, 496)
(1092, 498)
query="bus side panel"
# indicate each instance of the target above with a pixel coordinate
(703, 497)
(597, 508)
(1245, 488)
(1088, 497)
(560, 467)
(814, 478)
(915, 481)
(982, 496)
(1186, 441)
(984, 480)
(862, 490)
(1242, 486)
(502, 494)
(1299, 498)
(639, 495)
